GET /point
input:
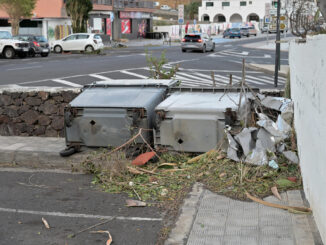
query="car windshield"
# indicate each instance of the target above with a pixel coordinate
(235, 29)
(20, 38)
(5, 35)
(244, 29)
(41, 39)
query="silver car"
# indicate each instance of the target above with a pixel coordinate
(197, 41)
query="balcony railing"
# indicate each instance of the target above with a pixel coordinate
(126, 3)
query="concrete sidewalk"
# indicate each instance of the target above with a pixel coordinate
(210, 219)
(206, 218)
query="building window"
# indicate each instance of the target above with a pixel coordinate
(250, 2)
(209, 4)
(243, 3)
(225, 4)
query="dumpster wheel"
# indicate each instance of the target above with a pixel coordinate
(68, 151)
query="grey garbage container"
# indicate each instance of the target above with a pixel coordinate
(193, 120)
(108, 113)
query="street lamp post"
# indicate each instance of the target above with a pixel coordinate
(278, 44)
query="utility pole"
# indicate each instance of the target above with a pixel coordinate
(278, 44)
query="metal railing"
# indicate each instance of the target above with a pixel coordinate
(126, 3)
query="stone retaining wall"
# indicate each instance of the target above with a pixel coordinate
(34, 111)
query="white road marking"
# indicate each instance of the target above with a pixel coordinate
(24, 68)
(75, 85)
(260, 79)
(133, 74)
(267, 56)
(76, 215)
(74, 76)
(99, 76)
(178, 77)
(272, 78)
(228, 45)
(210, 77)
(249, 80)
(226, 71)
(194, 78)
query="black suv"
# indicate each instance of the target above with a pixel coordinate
(38, 44)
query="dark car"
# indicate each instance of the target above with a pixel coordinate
(244, 31)
(232, 33)
(38, 44)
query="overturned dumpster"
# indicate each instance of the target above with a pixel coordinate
(193, 119)
(108, 113)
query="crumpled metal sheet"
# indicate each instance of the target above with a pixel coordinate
(287, 112)
(283, 126)
(291, 156)
(257, 157)
(272, 103)
(232, 149)
(272, 128)
(244, 138)
(265, 140)
(281, 148)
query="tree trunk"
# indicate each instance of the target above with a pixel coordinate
(15, 26)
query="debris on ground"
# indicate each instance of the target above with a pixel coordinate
(135, 203)
(275, 192)
(292, 209)
(142, 159)
(109, 241)
(46, 224)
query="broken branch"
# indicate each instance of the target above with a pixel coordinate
(274, 205)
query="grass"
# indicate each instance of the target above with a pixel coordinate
(166, 181)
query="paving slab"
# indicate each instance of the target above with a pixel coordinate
(222, 220)
(37, 152)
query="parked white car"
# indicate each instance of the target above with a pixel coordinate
(78, 42)
(10, 47)
(165, 7)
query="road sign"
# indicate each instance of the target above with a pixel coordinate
(267, 20)
(181, 14)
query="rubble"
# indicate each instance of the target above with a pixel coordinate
(259, 145)
(291, 156)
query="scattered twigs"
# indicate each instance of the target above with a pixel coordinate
(46, 224)
(127, 143)
(197, 158)
(274, 205)
(91, 227)
(31, 184)
(213, 78)
(109, 241)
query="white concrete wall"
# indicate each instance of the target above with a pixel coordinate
(308, 90)
(257, 7)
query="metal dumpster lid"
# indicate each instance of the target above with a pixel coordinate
(200, 102)
(118, 97)
(133, 83)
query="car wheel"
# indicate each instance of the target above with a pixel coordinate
(248, 35)
(9, 53)
(204, 49)
(255, 35)
(239, 37)
(58, 49)
(183, 50)
(44, 54)
(213, 48)
(89, 48)
(67, 152)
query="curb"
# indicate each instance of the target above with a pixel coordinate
(265, 70)
(183, 226)
(36, 152)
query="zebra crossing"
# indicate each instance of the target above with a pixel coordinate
(187, 77)
(233, 53)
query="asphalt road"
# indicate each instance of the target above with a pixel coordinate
(75, 70)
(70, 204)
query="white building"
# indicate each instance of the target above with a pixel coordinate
(235, 11)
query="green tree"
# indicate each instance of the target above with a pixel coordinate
(191, 10)
(78, 11)
(16, 10)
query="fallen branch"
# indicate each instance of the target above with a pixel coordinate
(91, 227)
(109, 241)
(46, 224)
(197, 158)
(292, 209)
